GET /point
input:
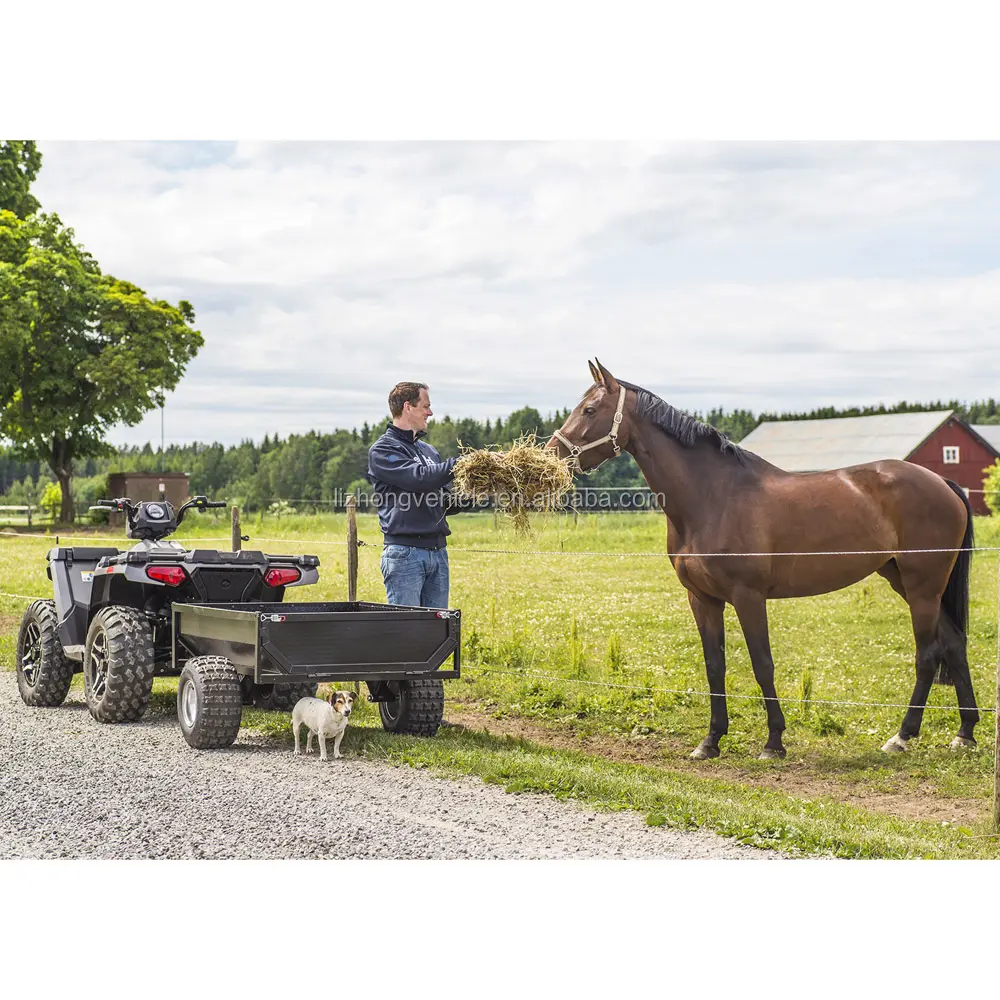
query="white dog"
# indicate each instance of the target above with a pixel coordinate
(324, 718)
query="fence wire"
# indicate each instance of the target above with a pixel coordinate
(656, 689)
(591, 552)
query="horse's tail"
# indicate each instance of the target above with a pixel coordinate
(955, 600)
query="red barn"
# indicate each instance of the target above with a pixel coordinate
(938, 440)
(958, 453)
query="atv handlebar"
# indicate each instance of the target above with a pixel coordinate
(201, 502)
(126, 505)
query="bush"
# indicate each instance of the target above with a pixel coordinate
(991, 486)
(281, 508)
(51, 500)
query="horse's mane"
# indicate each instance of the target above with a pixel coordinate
(681, 426)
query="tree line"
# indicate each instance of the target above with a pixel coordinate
(321, 467)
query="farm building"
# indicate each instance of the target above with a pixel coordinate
(169, 486)
(937, 440)
(989, 433)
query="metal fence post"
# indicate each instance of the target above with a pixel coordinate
(352, 548)
(237, 530)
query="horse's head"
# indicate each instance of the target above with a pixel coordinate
(595, 431)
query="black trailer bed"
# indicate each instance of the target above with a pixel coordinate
(277, 643)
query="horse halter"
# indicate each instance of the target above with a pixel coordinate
(576, 450)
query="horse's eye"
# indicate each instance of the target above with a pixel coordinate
(589, 410)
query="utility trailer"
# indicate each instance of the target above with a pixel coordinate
(397, 651)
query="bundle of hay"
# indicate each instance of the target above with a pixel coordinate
(521, 479)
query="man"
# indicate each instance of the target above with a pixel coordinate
(409, 480)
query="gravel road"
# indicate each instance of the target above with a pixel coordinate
(72, 788)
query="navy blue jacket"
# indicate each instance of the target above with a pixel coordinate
(411, 487)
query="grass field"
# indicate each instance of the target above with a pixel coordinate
(597, 654)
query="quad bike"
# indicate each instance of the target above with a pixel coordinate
(217, 620)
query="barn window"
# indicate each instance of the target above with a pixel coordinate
(951, 455)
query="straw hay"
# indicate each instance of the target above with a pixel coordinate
(524, 478)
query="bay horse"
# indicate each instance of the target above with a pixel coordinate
(720, 498)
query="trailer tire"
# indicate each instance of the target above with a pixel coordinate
(118, 664)
(209, 702)
(276, 697)
(417, 708)
(44, 674)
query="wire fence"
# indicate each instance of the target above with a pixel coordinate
(337, 542)
(691, 692)
(611, 685)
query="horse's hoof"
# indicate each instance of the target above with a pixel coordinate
(962, 743)
(769, 753)
(894, 745)
(704, 753)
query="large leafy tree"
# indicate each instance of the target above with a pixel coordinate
(80, 351)
(20, 162)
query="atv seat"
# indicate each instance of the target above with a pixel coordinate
(89, 553)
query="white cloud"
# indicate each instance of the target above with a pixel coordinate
(785, 275)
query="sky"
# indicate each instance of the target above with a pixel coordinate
(761, 275)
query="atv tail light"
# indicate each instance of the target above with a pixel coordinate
(279, 577)
(172, 576)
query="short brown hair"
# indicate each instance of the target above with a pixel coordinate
(404, 392)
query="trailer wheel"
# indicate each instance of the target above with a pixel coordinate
(276, 697)
(209, 703)
(118, 664)
(416, 706)
(44, 674)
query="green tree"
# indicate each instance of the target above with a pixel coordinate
(991, 487)
(80, 351)
(20, 162)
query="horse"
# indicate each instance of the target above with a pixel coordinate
(742, 531)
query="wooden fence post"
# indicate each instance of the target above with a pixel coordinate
(996, 724)
(352, 548)
(237, 530)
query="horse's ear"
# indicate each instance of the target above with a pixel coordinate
(594, 373)
(610, 383)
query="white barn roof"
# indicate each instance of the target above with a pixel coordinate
(812, 445)
(990, 433)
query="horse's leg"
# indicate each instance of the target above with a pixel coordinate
(751, 608)
(924, 614)
(709, 616)
(953, 645)
(890, 571)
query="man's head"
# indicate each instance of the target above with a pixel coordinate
(410, 406)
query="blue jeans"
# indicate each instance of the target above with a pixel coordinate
(417, 578)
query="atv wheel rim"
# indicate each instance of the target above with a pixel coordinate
(189, 705)
(98, 671)
(393, 709)
(32, 656)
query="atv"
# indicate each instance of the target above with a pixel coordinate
(111, 617)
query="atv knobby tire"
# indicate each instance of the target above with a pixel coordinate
(118, 664)
(276, 697)
(417, 708)
(209, 702)
(44, 674)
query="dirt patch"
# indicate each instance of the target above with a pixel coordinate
(918, 803)
(9, 624)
